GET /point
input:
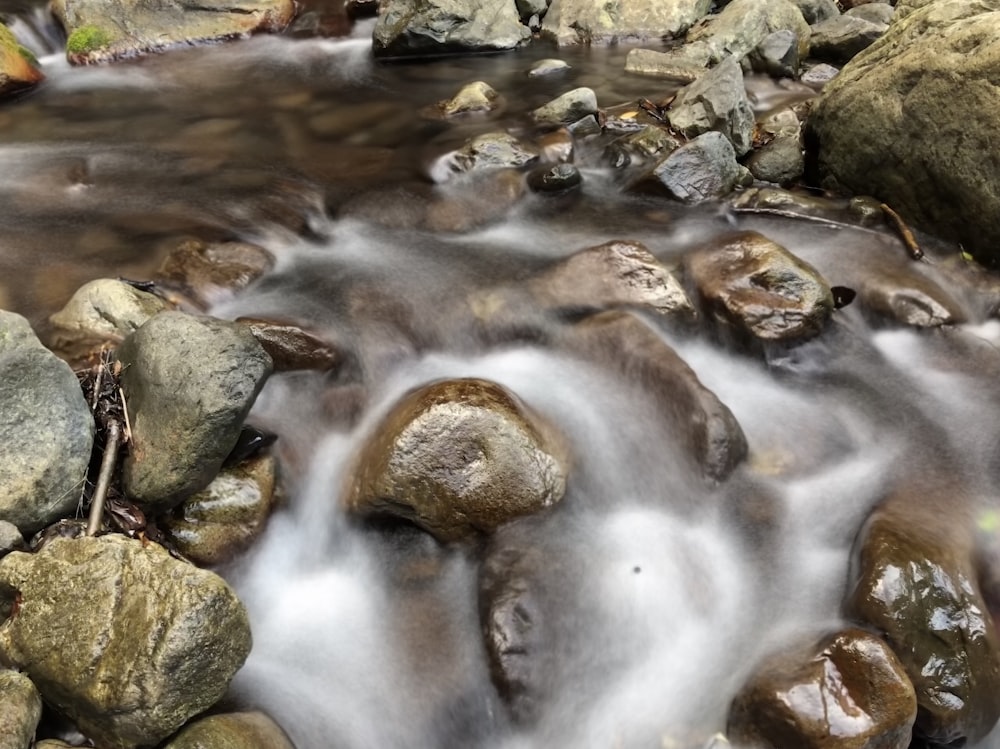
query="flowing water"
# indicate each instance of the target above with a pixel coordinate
(658, 594)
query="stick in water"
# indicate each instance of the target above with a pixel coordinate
(104, 478)
(904, 232)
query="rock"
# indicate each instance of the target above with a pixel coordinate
(458, 458)
(650, 142)
(566, 109)
(10, 538)
(703, 169)
(756, 288)
(498, 150)
(716, 101)
(555, 146)
(557, 178)
(20, 710)
(819, 75)
(189, 383)
(601, 22)
(250, 730)
(99, 32)
(18, 66)
(814, 11)
(781, 159)
(909, 298)
(292, 348)
(474, 97)
(777, 55)
(614, 274)
(532, 9)
(848, 691)
(704, 426)
(107, 310)
(121, 637)
(678, 65)
(46, 429)
(476, 200)
(433, 27)
(223, 519)
(839, 39)
(879, 12)
(917, 585)
(548, 66)
(209, 273)
(744, 24)
(929, 163)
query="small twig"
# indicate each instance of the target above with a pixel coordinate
(95, 396)
(128, 423)
(104, 478)
(912, 248)
(792, 214)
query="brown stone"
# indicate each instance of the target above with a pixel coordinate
(290, 347)
(208, 273)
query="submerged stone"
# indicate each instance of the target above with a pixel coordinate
(207, 273)
(473, 97)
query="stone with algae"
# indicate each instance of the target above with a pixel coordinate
(120, 636)
(18, 66)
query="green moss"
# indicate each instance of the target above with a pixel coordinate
(86, 39)
(28, 55)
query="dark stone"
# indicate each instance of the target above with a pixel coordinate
(777, 55)
(554, 178)
(703, 169)
(291, 347)
(839, 39)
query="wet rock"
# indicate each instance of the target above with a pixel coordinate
(458, 458)
(718, 102)
(910, 299)
(474, 97)
(46, 429)
(100, 32)
(704, 426)
(756, 288)
(18, 66)
(291, 347)
(839, 39)
(557, 178)
(777, 55)
(568, 108)
(703, 169)
(650, 142)
(10, 538)
(121, 637)
(780, 159)
(848, 691)
(814, 11)
(678, 65)
(250, 730)
(614, 274)
(866, 147)
(20, 710)
(818, 76)
(189, 383)
(592, 22)
(548, 66)
(223, 519)
(423, 27)
(555, 146)
(744, 24)
(209, 273)
(497, 150)
(917, 585)
(106, 310)
(475, 201)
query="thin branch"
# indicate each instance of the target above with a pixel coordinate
(104, 478)
(909, 241)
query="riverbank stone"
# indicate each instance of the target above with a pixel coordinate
(570, 22)
(716, 101)
(121, 637)
(101, 32)
(742, 25)
(704, 168)
(247, 730)
(892, 124)
(189, 383)
(568, 108)
(839, 39)
(867, 700)
(18, 67)
(428, 27)
(20, 710)
(459, 458)
(46, 429)
(749, 285)
(106, 309)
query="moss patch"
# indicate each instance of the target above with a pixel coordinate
(28, 55)
(87, 39)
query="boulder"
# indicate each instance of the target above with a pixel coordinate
(704, 427)
(458, 458)
(876, 12)
(20, 710)
(249, 730)
(839, 39)
(814, 11)
(568, 108)
(601, 22)
(742, 25)
(10, 538)
(893, 123)
(98, 31)
(757, 289)
(702, 169)
(433, 27)
(777, 55)
(718, 102)
(210, 273)
(224, 518)
(18, 66)
(848, 691)
(189, 383)
(106, 310)
(916, 583)
(121, 637)
(46, 428)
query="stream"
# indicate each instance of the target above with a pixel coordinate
(658, 592)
